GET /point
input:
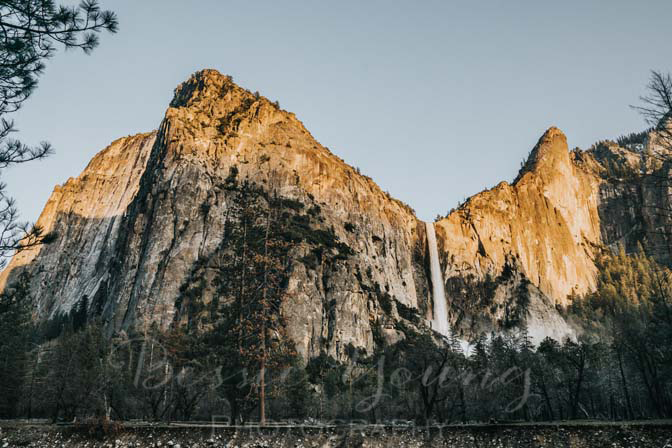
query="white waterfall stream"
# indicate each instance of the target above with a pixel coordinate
(440, 322)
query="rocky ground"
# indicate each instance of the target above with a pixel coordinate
(588, 435)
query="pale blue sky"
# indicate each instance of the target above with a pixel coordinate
(435, 100)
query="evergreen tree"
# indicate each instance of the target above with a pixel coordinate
(248, 327)
(15, 334)
(78, 314)
(30, 31)
(77, 379)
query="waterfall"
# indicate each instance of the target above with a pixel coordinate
(440, 322)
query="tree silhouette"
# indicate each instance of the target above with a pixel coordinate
(30, 33)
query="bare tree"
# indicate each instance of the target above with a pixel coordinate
(656, 106)
(656, 109)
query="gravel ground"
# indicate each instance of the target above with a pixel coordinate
(639, 435)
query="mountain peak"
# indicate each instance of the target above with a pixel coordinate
(552, 141)
(206, 83)
(550, 154)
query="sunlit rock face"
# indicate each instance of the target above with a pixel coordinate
(543, 229)
(86, 212)
(147, 219)
(546, 223)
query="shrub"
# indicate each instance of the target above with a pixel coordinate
(385, 303)
(408, 313)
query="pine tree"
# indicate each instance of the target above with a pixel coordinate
(79, 314)
(30, 31)
(251, 287)
(15, 332)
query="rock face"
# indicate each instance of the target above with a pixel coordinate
(537, 237)
(86, 212)
(146, 221)
(169, 209)
(635, 196)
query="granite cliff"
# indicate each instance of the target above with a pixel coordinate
(519, 244)
(141, 230)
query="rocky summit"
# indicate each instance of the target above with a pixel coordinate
(141, 230)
